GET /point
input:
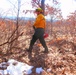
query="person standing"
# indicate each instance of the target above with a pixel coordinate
(39, 27)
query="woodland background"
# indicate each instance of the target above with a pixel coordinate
(15, 36)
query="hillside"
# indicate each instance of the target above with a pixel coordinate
(61, 59)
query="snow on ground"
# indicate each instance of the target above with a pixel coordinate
(13, 67)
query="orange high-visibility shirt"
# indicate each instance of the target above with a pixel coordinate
(40, 22)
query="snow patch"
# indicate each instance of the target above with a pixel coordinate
(15, 68)
(39, 70)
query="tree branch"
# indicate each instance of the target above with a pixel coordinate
(12, 40)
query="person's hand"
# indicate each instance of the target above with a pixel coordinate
(34, 27)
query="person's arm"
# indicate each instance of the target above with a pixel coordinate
(33, 27)
(37, 21)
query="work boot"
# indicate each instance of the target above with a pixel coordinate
(46, 50)
(29, 50)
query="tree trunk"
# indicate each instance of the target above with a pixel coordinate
(43, 5)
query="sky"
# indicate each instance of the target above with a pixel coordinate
(7, 8)
(67, 6)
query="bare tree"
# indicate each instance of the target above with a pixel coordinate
(12, 39)
(39, 3)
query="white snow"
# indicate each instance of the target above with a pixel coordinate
(17, 68)
(39, 70)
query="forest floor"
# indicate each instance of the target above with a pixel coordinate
(61, 59)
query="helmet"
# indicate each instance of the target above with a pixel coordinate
(39, 10)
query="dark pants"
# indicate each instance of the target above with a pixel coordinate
(39, 32)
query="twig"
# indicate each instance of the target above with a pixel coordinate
(11, 40)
